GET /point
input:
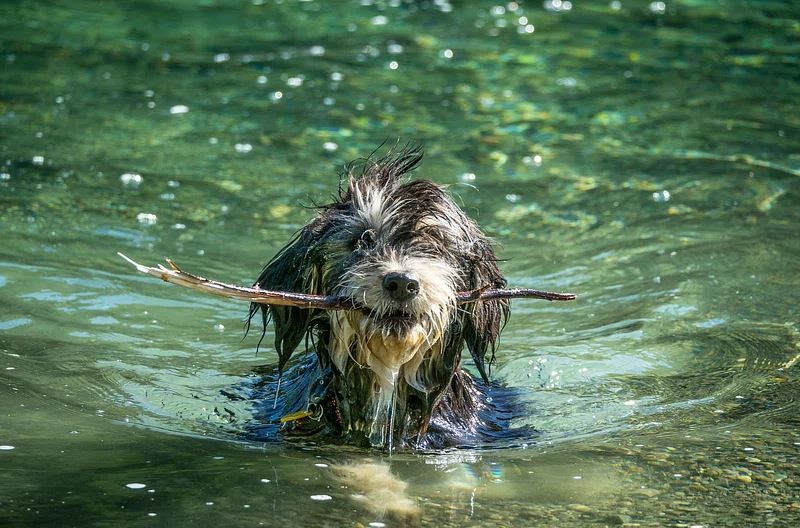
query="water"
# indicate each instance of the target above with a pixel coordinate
(641, 154)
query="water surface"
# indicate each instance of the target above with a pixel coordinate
(644, 155)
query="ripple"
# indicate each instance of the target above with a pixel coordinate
(14, 323)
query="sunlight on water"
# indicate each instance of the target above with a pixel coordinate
(643, 155)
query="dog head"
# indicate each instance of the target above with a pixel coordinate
(401, 250)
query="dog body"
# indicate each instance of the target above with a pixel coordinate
(389, 372)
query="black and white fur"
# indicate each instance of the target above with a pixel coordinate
(389, 374)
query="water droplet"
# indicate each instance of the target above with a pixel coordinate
(467, 177)
(662, 196)
(131, 178)
(146, 218)
(321, 497)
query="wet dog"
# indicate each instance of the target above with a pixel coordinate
(388, 373)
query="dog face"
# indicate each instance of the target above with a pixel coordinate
(401, 250)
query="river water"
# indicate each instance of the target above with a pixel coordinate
(644, 155)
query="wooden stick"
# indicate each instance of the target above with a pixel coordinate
(175, 275)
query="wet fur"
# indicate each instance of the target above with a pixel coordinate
(384, 374)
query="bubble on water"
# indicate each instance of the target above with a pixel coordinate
(210, 503)
(467, 177)
(178, 109)
(336, 76)
(173, 184)
(179, 227)
(37, 160)
(662, 196)
(131, 179)
(393, 65)
(321, 465)
(265, 481)
(379, 20)
(219, 328)
(151, 514)
(4, 176)
(321, 497)
(616, 5)
(276, 96)
(316, 51)
(136, 485)
(295, 82)
(658, 8)
(261, 79)
(6, 447)
(146, 218)
(167, 196)
(243, 148)
(558, 5)
(446, 53)
(377, 524)
(394, 48)
(222, 57)
(330, 146)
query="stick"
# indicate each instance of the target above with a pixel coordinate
(175, 275)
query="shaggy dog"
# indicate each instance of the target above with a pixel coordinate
(384, 289)
(385, 373)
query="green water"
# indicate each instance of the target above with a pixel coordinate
(645, 156)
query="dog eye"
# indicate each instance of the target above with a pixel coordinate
(367, 239)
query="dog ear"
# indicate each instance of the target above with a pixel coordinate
(484, 320)
(291, 270)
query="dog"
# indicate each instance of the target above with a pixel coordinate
(387, 374)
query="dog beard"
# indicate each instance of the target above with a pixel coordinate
(389, 341)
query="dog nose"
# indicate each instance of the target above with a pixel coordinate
(400, 286)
